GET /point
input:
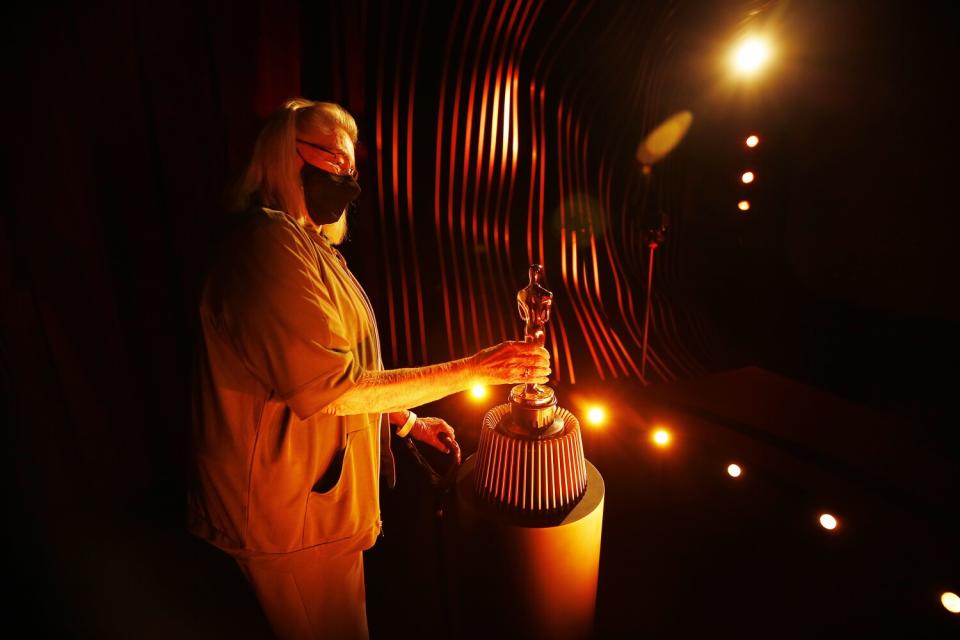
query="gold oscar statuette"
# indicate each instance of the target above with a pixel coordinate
(533, 406)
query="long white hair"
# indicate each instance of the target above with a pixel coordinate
(272, 177)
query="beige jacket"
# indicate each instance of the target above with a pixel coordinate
(286, 329)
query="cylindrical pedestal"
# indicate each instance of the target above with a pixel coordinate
(528, 575)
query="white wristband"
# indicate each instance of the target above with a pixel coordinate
(408, 425)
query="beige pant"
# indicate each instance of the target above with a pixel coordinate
(317, 597)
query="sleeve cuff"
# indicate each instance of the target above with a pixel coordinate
(322, 391)
(408, 425)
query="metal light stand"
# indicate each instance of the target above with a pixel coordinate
(654, 147)
(654, 238)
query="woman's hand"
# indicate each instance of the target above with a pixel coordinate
(429, 431)
(512, 362)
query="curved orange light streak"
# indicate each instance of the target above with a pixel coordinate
(595, 308)
(437, 181)
(478, 178)
(468, 138)
(543, 176)
(514, 78)
(562, 168)
(630, 305)
(395, 187)
(534, 163)
(410, 219)
(380, 191)
(501, 282)
(593, 235)
(455, 117)
(538, 172)
(481, 112)
(583, 305)
(586, 327)
(596, 323)
(615, 266)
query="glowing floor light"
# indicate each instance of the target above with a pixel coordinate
(734, 470)
(661, 437)
(828, 521)
(752, 141)
(596, 416)
(743, 205)
(747, 177)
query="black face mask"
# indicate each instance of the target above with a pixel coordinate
(325, 194)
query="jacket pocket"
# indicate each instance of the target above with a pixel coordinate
(342, 503)
(332, 477)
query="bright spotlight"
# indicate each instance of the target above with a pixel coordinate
(734, 470)
(747, 177)
(950, 601)
(743, 205)
(661, 437)
(828, 522)
(478, 391)
(596, 415)
(752, 141)
(750, 56)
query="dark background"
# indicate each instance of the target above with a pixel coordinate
(127, 120)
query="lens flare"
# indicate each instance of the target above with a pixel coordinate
(752, 141)
(950, 601)
(828, 521)
(478, 391)
(747, 177)
(743, 205)
(734, 470)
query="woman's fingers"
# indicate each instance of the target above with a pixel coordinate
(446, 437)
(514, 362)
(533, 374)
(533, 365)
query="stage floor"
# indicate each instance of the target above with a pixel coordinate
(690, 551)
(687, 551)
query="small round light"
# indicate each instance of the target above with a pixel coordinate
(661, 437)
(752, 141)
(596, 415)
(828, 522)
(734, 470)
(743, 205)
(747, 177)
(950, 601)
(478, 391)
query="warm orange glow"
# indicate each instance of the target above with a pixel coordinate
(747, 177)
(596, 415)
(828, 522)
(661, 437)
(743, 205)
(734, 470)
(950, 601)
(750, 56)
(478, 391)
(752, 141)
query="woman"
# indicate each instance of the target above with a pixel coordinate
(292, 407)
